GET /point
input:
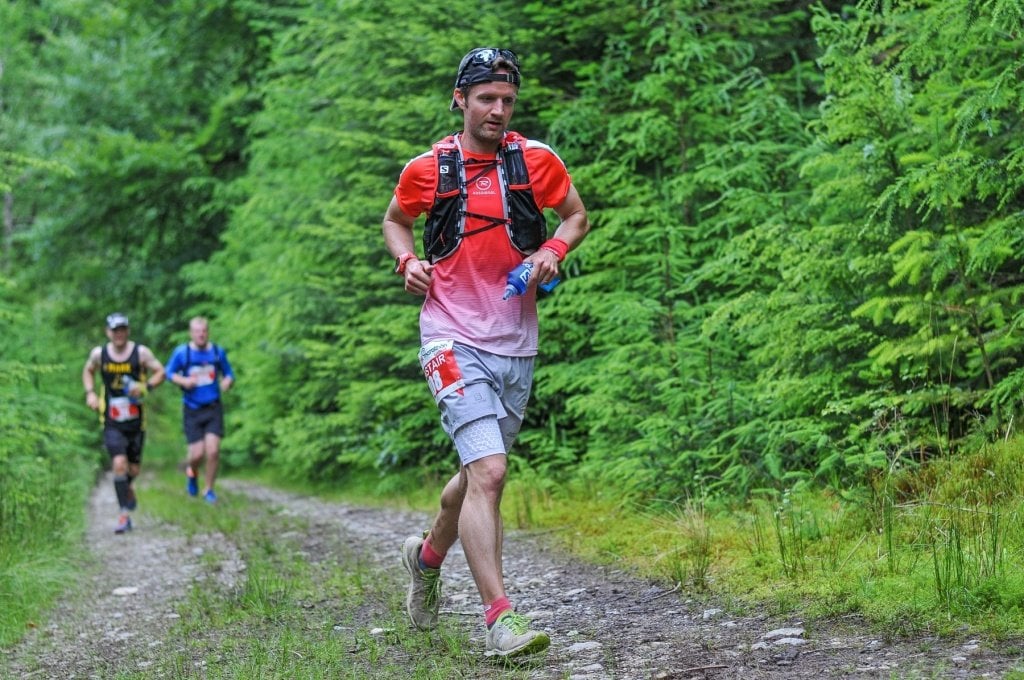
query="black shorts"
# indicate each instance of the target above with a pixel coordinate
(199, 422)
(121, 443)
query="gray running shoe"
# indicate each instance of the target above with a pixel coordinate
(510, 636)
(124, 523)
(424, 596)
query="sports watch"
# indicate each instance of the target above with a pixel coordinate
(401, 261)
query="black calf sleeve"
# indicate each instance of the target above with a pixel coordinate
(121, 489)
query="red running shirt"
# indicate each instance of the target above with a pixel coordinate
(464, 301)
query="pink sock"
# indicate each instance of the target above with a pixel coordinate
(429, 558)
(496, 609)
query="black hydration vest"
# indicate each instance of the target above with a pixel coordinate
(446, 222)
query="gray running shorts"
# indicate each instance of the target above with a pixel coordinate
(492, 402)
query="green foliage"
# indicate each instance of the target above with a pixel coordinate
(144, 105)
(691, 183)
(919, 143)
(804, 267)
(45, 469)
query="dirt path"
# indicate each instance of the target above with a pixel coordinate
(602, 623)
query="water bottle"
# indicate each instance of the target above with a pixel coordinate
(550, 285)
(129, 385)
(519, 278)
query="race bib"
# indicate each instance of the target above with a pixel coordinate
(122, 409)
(205, 374)
(440, 368)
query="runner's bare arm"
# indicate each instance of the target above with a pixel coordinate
(398, 237)
(575, 225)
(572, 230)
(154, 368)
(92, 400)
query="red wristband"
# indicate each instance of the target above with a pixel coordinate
(557, 246)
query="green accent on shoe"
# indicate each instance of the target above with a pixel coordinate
(510, 637)
(424, 597)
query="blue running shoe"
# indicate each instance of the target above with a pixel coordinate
(132, 502)
(124, 523)
(210, 496)
(192, 486)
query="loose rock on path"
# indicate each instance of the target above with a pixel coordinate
(603, 623)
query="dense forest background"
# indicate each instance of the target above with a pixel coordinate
(805, 263)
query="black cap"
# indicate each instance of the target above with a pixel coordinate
(117, 320)
(479, 64)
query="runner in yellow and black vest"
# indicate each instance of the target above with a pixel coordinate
(127, 371)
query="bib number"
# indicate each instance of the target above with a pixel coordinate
(205, 374)
(440, 368)
(122, 409)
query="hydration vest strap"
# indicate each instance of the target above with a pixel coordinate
(492, 225)
(188, 358)
(522, 219)
(483, 171)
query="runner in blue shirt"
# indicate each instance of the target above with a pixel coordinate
(201, 369)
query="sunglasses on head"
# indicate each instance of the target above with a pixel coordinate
(489, 55)
(486, 57)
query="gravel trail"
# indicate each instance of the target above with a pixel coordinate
(603, 623)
